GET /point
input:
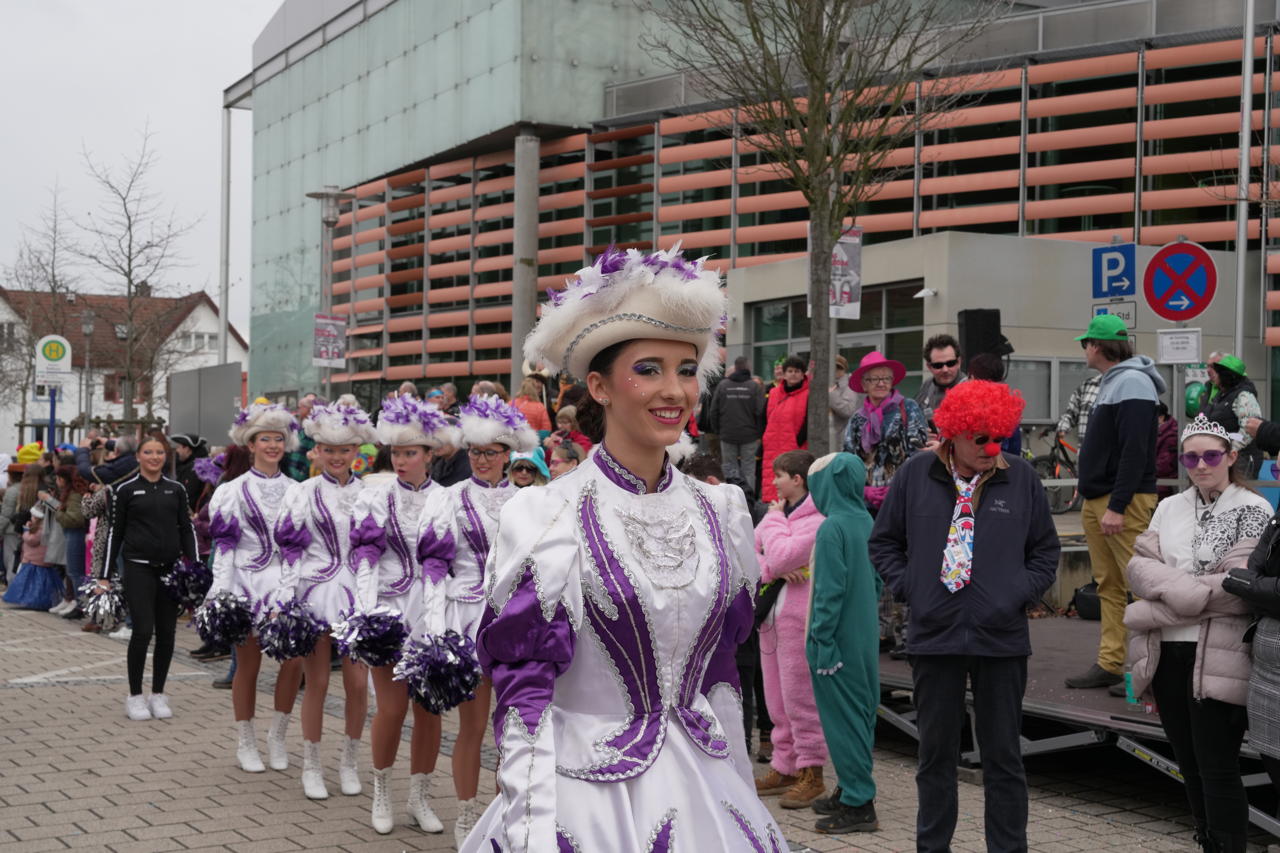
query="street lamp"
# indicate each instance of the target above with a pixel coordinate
(328, 198)
(86, 328)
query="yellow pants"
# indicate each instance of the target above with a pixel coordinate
(1108, 556)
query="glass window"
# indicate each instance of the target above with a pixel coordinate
(1031, 377)
(770, 321)
(800, 319)
(764, 357)
(903, 309)
(872, 314)
(904, 347)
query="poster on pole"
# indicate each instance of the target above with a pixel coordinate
(845, 296)
(1178, 346)
(329, 347)
(53, 361)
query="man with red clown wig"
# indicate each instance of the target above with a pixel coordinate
(983, 549)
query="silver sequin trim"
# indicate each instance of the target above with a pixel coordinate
(629, 315)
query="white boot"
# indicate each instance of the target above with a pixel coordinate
(312, 773)
(380, 814)
(247, 749)
(420, 803)
(348, 772)
(468, 814)
(277, 749)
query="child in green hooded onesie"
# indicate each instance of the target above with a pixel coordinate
(843, 642)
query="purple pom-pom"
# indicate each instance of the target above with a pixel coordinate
(209, 470)
(225, 620)
(441, 672)
(375, 638)
(292, 632)
(104, 609)
(188, 583)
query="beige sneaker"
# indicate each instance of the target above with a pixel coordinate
(808, 787)
(774, 782)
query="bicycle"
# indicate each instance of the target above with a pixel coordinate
(1058, 464)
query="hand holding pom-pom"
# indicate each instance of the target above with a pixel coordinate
(441, 672)
(375, 638)
(292, 632)
(224, 620)
(188, 583)
(103, 605)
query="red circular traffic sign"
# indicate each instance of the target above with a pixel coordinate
(1180, 281)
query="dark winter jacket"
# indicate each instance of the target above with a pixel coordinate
(1166, 454)
(1268, 438)
(1118, 457)
(1015, 556)
(737, 409)
(108, 473)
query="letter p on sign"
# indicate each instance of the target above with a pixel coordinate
(1113, 271)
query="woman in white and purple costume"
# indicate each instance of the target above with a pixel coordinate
(242, 517)
(390, 574)
(618, 594)
(313, 535)
(491, 430)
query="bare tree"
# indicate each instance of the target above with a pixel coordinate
(133, 240)
(827, 90)
(43, 267)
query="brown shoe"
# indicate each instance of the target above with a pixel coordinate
(91, 628)
(765, 753)
(774, 782)
(808, 787)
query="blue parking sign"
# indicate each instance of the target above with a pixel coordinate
(1113, 271)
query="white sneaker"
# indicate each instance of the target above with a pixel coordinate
(468, 814)
(159, 705)
(135, 708)
(62, 607)
(124, 633)
(277, 748)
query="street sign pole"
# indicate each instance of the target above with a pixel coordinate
(51, 440)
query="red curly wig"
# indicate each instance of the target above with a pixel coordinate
(975, 406)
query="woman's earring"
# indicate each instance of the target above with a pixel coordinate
(604, 401)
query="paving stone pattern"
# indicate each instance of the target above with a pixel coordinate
(75, 774)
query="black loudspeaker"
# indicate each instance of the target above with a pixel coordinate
(980, 333)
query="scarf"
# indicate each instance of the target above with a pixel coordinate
(957, 556)
(874, 414)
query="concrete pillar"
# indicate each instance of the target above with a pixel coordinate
(524, 287)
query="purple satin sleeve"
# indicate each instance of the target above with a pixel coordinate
(523, 654)
(225, 532)
(436, 553)
(292, 539)
(368, 541)
(723, 666)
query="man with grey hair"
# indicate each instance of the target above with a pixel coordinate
(448, 402)
(122, 464)
(408, 389)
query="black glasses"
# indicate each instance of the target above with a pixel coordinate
(943, 365)
(987, 439)
(1212, 458)
(522, 467)
(477, 452)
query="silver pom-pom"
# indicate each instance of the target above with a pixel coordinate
(102, 608)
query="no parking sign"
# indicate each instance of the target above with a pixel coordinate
(1180, 281)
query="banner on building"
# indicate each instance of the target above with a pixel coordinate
(329, 347)
(53, 361)
(845, 298)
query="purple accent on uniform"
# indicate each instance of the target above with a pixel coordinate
(410, 487)
(749, 832)
(496, 847)
(328, 531)
(436, 553)
(475, 534)
(563, 844)
(628, 641)
(396, 542)
(662, 840)
(523, 653)
(255, 472)
(485, 484)
(292, 539)
(368, 541)
(618, 474)
(224, 531)
(738, 621)
(258, 524)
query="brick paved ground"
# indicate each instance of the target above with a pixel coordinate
(75, 774)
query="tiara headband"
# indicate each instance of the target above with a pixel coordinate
(1203, 426)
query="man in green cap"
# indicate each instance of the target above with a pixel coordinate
(1117, 480)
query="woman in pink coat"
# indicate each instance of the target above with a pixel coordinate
(785, 540)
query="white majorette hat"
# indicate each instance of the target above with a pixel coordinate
(627, 296)
(407, 421)
(343, 422)
(265, 417)
(1203, 426)
(682, 449)
(485, 419)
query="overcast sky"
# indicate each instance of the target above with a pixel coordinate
(89, 75)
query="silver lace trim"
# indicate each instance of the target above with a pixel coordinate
(629, 315)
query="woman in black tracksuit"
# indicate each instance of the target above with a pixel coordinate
(150, 529)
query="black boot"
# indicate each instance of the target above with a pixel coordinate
(849, 819)
(1202, 837)
(1225, 842)
(827, 805)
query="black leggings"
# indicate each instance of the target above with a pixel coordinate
(153, 612)
(1205, 735)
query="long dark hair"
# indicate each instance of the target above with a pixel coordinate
(74, 482)
(590, 413)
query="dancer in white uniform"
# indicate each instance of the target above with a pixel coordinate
(242, 516)
(389, 573)
(491, 430)
(618, 594)
(313, 536)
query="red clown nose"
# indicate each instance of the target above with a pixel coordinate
(991, 448)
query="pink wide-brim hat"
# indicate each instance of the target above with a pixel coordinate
(875, 358)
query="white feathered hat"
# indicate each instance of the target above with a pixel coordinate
(265, 417)
(343, 422)
(682, 449)
(407, 421)
(485, 419)
(628, 296)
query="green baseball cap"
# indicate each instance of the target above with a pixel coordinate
(1105, 327)
(1233, 363)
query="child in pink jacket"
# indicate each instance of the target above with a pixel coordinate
(784, 540)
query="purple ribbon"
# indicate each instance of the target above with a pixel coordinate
(292, 539)
(368, 541)
(224, 531)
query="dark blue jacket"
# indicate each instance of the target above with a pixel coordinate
(1118, 456)
(108, 473)
(1015, 557)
